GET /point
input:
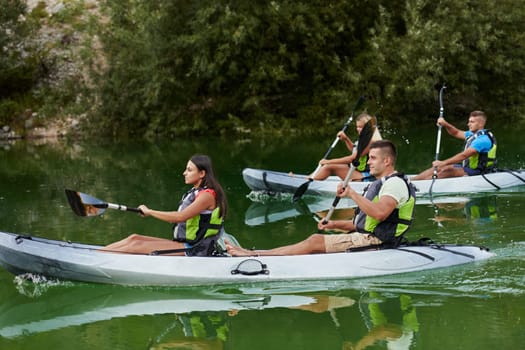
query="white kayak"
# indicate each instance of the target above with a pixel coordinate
(82, 262)
(277, 182)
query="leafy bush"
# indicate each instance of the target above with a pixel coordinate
(189, 66)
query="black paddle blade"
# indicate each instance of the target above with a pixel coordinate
(301, 190)
(85, 205)
(364, 138)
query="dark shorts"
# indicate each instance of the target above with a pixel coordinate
(467, 170)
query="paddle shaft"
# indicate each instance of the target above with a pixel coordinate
(85, 205)
(302, 189)
(332, 146)
(337, 199)
(438, 141)
(364, 139)
(336, 140)
(122, 207)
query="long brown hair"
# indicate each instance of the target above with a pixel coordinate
(203, 162)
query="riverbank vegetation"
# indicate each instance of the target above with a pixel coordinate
(170, 68)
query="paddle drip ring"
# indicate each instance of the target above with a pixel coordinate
(251, 267)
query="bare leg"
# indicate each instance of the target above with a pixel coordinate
(450, 171)
(444, 172)
(424, 175)
(340, 170)
(326, 170)
(143, 245)
(312, 245)
(356, 176)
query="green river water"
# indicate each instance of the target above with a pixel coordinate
(474, 306)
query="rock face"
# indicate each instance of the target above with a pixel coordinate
(64, 41)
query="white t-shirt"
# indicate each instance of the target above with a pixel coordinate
(396, 188)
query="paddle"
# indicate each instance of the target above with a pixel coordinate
(86, 205)
(302, 189)
(438, 141)
(362, 144)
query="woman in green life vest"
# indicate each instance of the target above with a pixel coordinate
(341, 166)
(198, 220)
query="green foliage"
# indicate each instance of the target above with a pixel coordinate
(193, 60)
(19, 66)
(185, 67)
(191, 66)
(39, 11)
(470, 45)
(37, 73)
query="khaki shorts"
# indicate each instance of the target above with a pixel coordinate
(341, 242)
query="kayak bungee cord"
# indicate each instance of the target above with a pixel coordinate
(511, 171)
(68, 244)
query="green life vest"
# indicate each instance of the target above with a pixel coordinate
(397, 223)
(363, 164)
(200, 227)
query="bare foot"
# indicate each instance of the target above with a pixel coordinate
(234, 250)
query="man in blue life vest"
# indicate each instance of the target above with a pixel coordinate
(477, 157)
(385, 212)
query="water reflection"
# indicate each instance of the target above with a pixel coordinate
(211, 318)
(202, 313)
(265, 209)
(477, 210)
(205, 330)
(383, 326)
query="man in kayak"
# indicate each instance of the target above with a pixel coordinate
(478, 155)
(385, 212)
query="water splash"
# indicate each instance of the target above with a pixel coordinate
(34, 285)
(265, 196)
